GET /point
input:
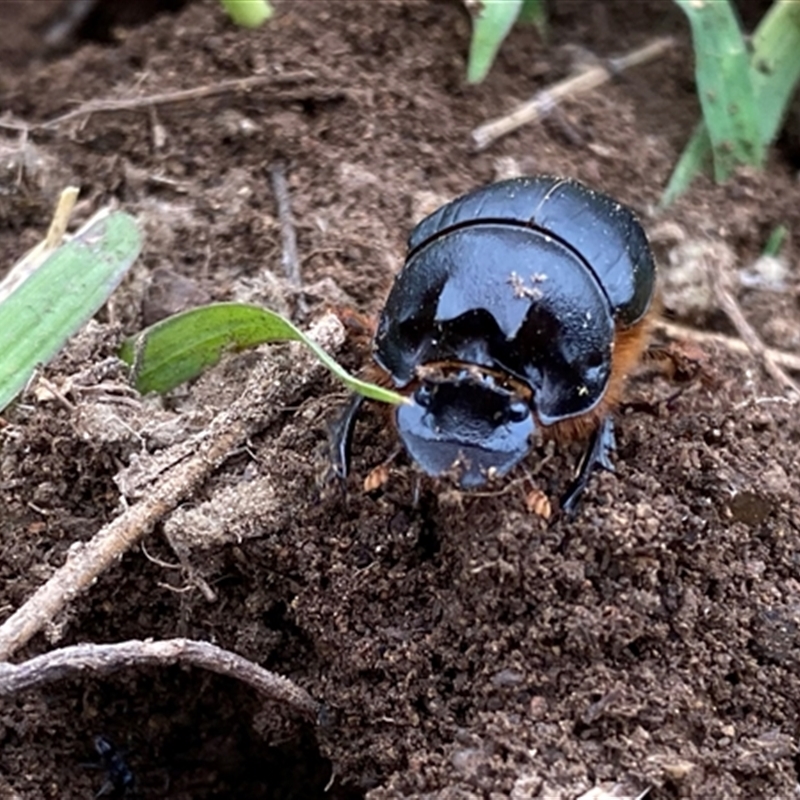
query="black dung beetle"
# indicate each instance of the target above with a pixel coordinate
(520, 310)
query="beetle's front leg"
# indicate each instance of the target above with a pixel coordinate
(340, 438)
(598, 454)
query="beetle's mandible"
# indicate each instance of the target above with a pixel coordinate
(521, 309)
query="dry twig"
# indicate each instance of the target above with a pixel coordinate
(102, 659)
(789, 361)
(754, 344)
(289, 258)
(34, 258)
(543, 102)
(186, 96)
(180, 96)
(262, 400)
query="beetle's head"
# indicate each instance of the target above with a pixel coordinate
(465, 422)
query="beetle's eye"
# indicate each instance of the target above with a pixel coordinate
(518, 410)
(595, 360)
(423, 396)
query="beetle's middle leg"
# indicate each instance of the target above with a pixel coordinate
(602, 444)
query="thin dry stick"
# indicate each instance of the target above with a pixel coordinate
(262, 401)
(33, 259)
(543, 102)
(729, 305)
(181, 96)
(105, 658)
(786, 360)
(289, 257)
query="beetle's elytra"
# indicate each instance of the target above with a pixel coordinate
(521, 308)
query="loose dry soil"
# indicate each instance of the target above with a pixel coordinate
(462, 646)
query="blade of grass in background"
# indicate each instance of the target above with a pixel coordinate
(724, 85)
(534, 13)
(775, 241)
(743, 92)
(491, 22)
(695, 160)
(61, 295)
(180, 347)
(776, 64)
(774, 67)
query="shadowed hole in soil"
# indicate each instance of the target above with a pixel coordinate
(191, 734)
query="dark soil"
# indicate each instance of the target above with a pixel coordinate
(462, 646)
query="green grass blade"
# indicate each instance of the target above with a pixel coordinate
(724, 85)
(61, 295)
(695, 159)
(180, 347)
(534, 12)
(775, 241)
(776, 64)
(491, 22)
(248, 13)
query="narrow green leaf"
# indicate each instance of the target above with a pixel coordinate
(248, 13)
(774, 74)
(775, 241)
(534, 13)
(61, 295)
(180, 347)
(491, 22)
(724, 85)
(695, 159)
(776, 64)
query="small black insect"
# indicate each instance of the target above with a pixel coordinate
(119, 777)
(520, 309)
